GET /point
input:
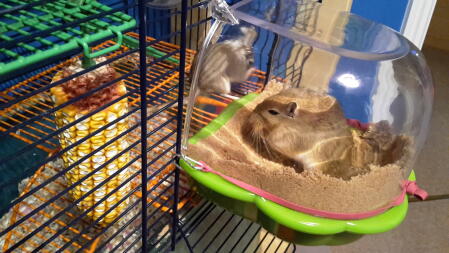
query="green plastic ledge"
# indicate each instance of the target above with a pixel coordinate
(221, 191)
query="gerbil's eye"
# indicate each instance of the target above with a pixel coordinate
(273, 112)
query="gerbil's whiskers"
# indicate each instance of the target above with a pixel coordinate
(256, 140)
(268, 150)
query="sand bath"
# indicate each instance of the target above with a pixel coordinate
(226, 152)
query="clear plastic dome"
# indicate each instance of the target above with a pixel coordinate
(324, 109)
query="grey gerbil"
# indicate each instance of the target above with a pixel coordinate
(226, 62)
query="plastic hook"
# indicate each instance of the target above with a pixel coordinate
(88, 55)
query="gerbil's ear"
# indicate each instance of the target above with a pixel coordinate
(291, 109)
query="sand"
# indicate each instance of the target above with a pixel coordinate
(226, 152)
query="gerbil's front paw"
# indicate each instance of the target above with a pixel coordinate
(298, 166)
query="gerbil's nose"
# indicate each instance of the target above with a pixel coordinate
(291, 108)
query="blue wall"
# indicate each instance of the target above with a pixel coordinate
(388, 12)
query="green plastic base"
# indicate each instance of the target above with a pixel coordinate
(285, 223)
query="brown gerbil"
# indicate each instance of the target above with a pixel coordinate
(307, 130)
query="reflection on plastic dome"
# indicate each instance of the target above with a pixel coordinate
(349, 81)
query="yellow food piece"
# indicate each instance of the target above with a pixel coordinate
(82, 129)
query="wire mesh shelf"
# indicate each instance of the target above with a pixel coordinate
(207, 227)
